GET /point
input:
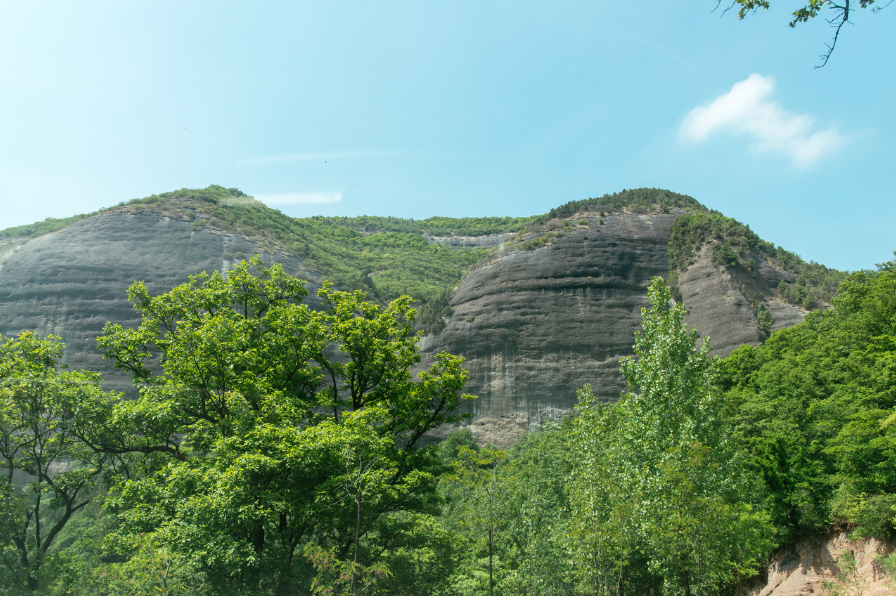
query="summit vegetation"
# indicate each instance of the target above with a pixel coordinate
(735, 245)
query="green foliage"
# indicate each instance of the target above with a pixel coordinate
(39, 440)
(736, 245)
(658, 492)
(433, 226)
(431, 315)
(264, 426)
(813, 409)
(539, 468)
(539, 241)
(763, 317)
(337, 577)
(40, 228)
(510, 503)
(640, 200)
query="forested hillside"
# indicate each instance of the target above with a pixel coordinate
(259, 461)
(271, 448)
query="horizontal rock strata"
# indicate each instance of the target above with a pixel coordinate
(534, 325)
(71, 282)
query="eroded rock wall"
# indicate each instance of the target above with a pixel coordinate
(799, 570)
(537, 325)
(719, 301)
(71, 282)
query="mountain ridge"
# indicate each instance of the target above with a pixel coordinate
(537, 314)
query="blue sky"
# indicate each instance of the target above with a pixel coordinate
(476, 108)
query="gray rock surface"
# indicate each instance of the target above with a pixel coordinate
(719, 302)
(488, 241)
(71, 282)
(533, 325)
(536, 325)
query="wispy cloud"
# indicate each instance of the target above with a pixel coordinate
(300, 198)
(317, 156)
(748, 110)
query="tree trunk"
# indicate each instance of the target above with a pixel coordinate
(357, 539)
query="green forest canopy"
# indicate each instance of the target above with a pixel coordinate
(237, 470)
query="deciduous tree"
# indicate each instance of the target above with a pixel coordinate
(265, 426)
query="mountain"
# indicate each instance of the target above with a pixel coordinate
(538, 306)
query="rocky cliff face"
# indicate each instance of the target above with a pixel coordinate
(533, 325)
(799, 570)
(536, 325)
(71, 282)
(719, 302)
(489, 241)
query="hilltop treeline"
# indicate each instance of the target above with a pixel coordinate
(734, 244)
(50, 224)
(434, 226)
(640, 200)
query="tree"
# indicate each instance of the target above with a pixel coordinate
(537, 527)
(657, 473)
(48, 472)
(840, 9)
(813, 409)
(478, 473)
(601, 541)
(263, 426)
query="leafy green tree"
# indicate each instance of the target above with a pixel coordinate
(263, 426)
(537, 511)
(477, 472)
(601, 542)
(666, 479)
(49, 473)
(813, 410)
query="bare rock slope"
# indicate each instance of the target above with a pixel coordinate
(536, 325)
(71, 282)
(802, 569)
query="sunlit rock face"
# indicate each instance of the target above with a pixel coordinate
(533, 325)
(536, 325)
(71, 282)
(719, 301)
(802, 568)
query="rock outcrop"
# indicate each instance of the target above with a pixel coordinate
(719, 301)
(534, 325)
(801, 569)
(487, 241)
(71, 282)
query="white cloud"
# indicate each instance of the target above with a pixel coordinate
(300, 198)
(749, 110)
